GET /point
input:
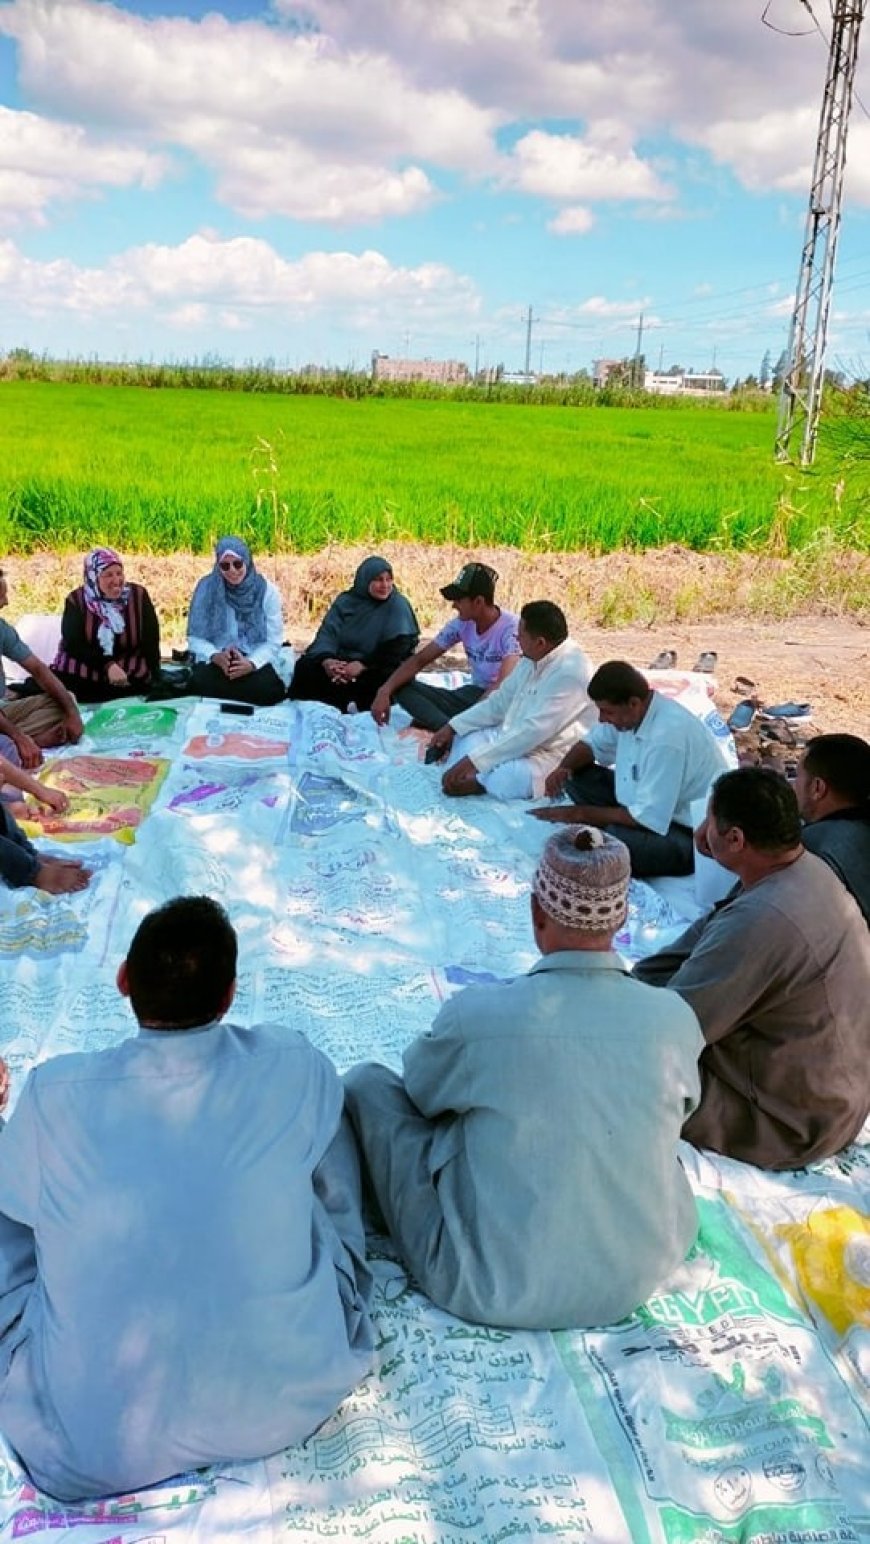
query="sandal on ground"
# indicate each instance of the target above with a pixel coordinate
(666, 659)
(779, 731)
(706, 662)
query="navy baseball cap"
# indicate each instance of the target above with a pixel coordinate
(472, 580)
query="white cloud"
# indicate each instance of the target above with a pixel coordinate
(353, 118)
(284, 178)
(42, 163)
(598, 305)
(774, 150)
(204, 280)
(288, 123)
(572, 221)
(563, 166)
(705, 74)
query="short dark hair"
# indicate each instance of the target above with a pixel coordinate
(761, 804)
(617, 681)
(182, 962)
(843, 760)
(544, 619)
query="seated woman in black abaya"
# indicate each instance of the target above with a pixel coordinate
(367, 631)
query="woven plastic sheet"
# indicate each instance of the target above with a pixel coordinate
(732, 1407)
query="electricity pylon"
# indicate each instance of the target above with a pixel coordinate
(801, 394)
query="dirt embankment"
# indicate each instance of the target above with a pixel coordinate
(796, 639)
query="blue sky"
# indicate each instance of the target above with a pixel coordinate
(310, 180)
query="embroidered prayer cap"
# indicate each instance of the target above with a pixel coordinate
(582, 879)
(474, 579)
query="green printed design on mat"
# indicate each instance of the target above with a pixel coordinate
(129, 720)
(720, 1431)
(808, 1524)
(743, 1287)
(606, 1436)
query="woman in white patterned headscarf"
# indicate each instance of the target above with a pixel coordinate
(110, 635)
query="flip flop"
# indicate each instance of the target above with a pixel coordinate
(744, 685)
(788, 710)
(780, 732)
(666, 659)
(706, 662)
(742, 715)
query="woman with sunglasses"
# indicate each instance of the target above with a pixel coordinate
(235, 630)
(109, 633)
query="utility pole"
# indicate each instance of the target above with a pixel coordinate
(529, 344)
(476, 354)
(636, 372)
(801, 394)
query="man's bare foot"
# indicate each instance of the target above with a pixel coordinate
(462, 788)
(61, 876)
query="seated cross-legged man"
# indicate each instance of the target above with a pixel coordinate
(506, 743)
(182, 1279)
(833, 794)
(637, 773)
(43, 714)
(489, 638)
(526, 1163)
(779, 977)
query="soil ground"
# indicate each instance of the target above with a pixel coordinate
(752, 611)
(821, 660)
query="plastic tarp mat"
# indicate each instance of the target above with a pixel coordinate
(730, 1409)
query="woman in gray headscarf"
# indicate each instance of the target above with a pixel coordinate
(367, 631)
(235, 630)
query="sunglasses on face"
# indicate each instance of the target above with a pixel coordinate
(226, 564)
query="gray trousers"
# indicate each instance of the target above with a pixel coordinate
(652, 856)
(396, 1144)
(432, 706)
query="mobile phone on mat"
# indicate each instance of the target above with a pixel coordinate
(237, 707)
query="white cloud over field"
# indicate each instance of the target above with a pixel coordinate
(44, 163)
(355, 111)
(205, 279)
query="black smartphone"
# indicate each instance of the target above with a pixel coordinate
(237, 707)
(433, 753)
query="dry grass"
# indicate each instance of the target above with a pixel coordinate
(659, 588)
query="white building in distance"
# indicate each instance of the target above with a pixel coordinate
(683, 383)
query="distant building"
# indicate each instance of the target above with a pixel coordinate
(442, 372)
(518, 378)
(683, 383)
(602, 369)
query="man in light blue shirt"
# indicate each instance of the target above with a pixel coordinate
(637, 774)
(182, 1278)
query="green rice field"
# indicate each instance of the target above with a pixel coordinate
(166, 470)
